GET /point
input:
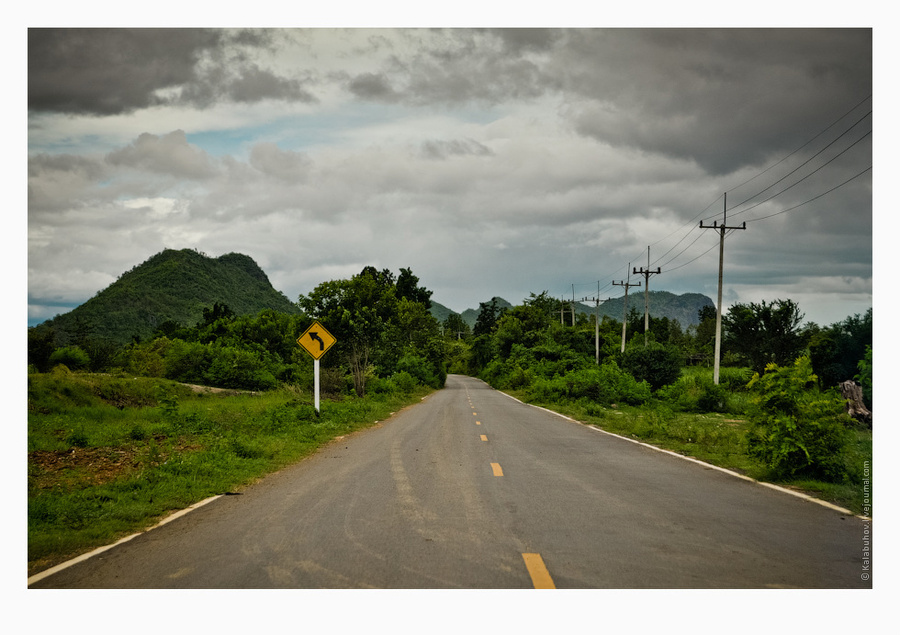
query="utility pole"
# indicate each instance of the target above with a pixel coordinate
(625, 310)
(596, 300)
(721, 229)
(573, 305)
(647, 273)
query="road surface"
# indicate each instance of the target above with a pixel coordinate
(472, 489)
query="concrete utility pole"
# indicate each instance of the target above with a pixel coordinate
(647, 273)
(721, 229)
(596, 300)
(573, 305)
(625, 310)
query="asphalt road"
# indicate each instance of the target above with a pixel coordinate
(472, 489)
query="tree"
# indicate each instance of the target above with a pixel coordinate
(488, 315)
(408, 287)
(374, 325)
(836, 351)
(657, 364)
(455, 327)
(764, 333)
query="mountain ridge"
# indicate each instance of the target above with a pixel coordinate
(683, 307)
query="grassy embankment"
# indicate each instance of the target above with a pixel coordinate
(110, 456)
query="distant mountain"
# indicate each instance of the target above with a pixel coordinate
(469, 316)
(440, 312)
(683, 308)
(172, 285)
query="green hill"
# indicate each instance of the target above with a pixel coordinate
(173, 285)
(683, 308)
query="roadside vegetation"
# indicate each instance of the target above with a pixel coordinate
(121, 435)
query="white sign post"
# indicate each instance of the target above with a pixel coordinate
(316, 341)
(316, 382)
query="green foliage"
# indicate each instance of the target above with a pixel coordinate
(378, 322)
(71, 357)
(864, 377)
(836, 351)
(656, 364)
(798, 430)
(763, 334)
(606, 384)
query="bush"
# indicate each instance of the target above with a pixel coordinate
(798, 430)
(695, 392)
(404, 382)
(606, 384)
(419, 368)
(73, 357)
(656, 364)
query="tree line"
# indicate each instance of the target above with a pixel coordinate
(384, 330)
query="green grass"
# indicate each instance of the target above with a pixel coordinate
(109, 456)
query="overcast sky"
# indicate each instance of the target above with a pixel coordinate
(491, 162)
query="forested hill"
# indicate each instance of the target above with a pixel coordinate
(173, 285)
(683, 308)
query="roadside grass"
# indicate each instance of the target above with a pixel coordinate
(110, 456)
(715, 438)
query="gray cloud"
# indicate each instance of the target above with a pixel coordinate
(170, 154)
(112, 71)
(436, 149)
(490, 161)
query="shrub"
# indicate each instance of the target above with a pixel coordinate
(606, 384)
(796, 429)
(419, 368)
(73, 357)
(656, 364)
(404, 382)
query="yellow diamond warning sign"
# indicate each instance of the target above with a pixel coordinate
(316, 340)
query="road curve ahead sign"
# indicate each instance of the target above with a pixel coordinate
(316, 340)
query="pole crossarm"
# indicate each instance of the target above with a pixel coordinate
(646, 273)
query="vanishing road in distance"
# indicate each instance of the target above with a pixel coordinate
(473, 489)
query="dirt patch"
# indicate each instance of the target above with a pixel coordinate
(209, 390)
(90, 466)
(94, 466)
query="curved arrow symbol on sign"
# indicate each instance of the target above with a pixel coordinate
(313, 335)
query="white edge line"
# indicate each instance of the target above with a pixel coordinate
(85, 556)
(777, 488)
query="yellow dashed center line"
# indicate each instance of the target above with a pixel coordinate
(477, 423)
(498, 471)
(540, 577)
(484, 437)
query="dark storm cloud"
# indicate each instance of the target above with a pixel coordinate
(113, 71)
(722, 98)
